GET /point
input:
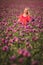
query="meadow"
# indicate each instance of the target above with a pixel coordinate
(19, 44)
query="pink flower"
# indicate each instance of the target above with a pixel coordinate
(27, 43)
(10, 29)
(10, 35)
(5, 48)
(35, 30)
(11, 40)
(41, 30)
(18, 29)
(20, 51)
(22, 39)
(35, 38)
(26, 54)
(12, 58)
(14, 64)
(21, 34)
(14, 31)
(29, 47)
(34, 62)
(15, 39)
(3, 40)
(21, 60)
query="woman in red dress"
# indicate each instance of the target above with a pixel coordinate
(25, 17)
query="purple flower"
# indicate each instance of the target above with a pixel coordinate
(34, 62)
(14, 31)
(9, 34)
(9, 28)
(20, 51)
(3, 40)
(27, 43)
(12, 58)
(37, 25)
(29, 47)
(35, 38)
(14, 64)
(21, 33)
(22, 39)
(26, 54)
(16, 39)
(41, 30)
(35, 30)
(6, 41)
(20, 60)
(28, 27)
(11, 40)
(5, 48)
(18, 29)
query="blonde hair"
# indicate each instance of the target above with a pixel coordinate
(28, 10)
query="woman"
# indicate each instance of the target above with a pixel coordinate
(25, 17)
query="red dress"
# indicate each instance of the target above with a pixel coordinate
(24, 20)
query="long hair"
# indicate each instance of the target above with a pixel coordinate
(28, 10)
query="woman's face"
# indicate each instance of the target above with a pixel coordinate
(26, 11)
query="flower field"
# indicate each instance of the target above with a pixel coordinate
(19, 44)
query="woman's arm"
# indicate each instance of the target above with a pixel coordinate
(18, 20)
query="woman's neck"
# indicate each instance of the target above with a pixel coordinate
(25, 15)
